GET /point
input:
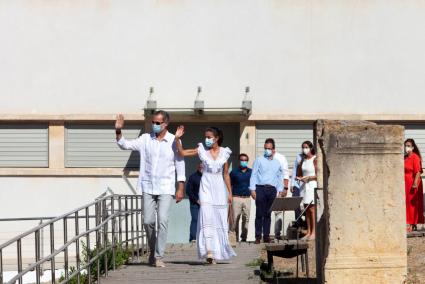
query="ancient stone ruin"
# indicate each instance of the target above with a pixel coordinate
(361, 233)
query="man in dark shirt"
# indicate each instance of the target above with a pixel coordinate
(241, 204)
(192, 190)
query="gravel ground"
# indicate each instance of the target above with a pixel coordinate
(415, 262)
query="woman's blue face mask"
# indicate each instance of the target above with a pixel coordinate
(209, 142)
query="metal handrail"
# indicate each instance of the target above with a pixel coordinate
(103, 216)
(41, 226)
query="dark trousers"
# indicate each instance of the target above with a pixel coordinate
(194, 211)
(263, 202)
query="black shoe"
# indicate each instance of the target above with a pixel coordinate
(266, 240)
(257, 241)
(243, 240)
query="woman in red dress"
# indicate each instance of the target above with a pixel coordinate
(413, 185)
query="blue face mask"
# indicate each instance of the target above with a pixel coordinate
(209, 142)
(268, 153)
(156, 128)
(244, 164)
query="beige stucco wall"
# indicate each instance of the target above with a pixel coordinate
(88, 57)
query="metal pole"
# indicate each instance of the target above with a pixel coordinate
(88, 245)
(1, 266)
(41, 248)
(77, 246)
(65, 240)
(113, 232)
(52, 250)
(132, 228)
(119, 220)
(19, 248)
(137, 230)
(141, 225)
(37, 256)
(105, 236)
(98, 248)
(126, 222)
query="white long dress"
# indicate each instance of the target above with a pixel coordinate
(213, 227)
(307, 189)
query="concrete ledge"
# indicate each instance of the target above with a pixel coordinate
(67, 172)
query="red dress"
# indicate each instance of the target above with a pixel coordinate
(414, 197)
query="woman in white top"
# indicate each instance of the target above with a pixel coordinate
(212, 230)
(306, 173)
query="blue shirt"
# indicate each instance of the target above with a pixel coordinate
(240, 181)
(267, 172)
(192, 187)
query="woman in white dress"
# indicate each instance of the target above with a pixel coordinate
(215, 195)
(306, 173)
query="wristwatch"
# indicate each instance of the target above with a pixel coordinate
(285, 188)
(118, 131)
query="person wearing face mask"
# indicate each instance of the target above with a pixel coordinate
(241, 203)
(159, 163)
(192, 191)
(266, 181)
(306, 173)
(215, 195)
(413, 185)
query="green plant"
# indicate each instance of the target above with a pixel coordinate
(121, 256)
(255, 262)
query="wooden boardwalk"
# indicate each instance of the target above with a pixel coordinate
(183, 266)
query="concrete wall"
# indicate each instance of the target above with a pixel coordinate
(102, 56)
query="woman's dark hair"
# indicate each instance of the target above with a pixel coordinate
(217, 133)
(415, 147)
(311, 146)
(312, 151)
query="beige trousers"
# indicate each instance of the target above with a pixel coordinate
(241, 210)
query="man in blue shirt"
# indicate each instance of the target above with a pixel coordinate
(241, 203)
(266, 181)
(192, 190)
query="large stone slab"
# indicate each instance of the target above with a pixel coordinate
(361, 233)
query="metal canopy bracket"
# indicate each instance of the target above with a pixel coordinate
(199, 106)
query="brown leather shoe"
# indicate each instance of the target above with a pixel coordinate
(257, 241)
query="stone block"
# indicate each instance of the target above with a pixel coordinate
(361, 233)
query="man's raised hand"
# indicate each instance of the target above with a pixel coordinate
(119, 123)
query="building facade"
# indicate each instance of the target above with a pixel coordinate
(68, 67)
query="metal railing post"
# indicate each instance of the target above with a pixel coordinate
(19, 251)
(126, 222)
(37, 256)
(142, 226)
(132, 227)
(137, 229)
(1, 266)
(65, 240)
(105, 236)
(77, 246)
(88, 245)
(119, 220)
(98, 247)
(113, 232)
(52, 250)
